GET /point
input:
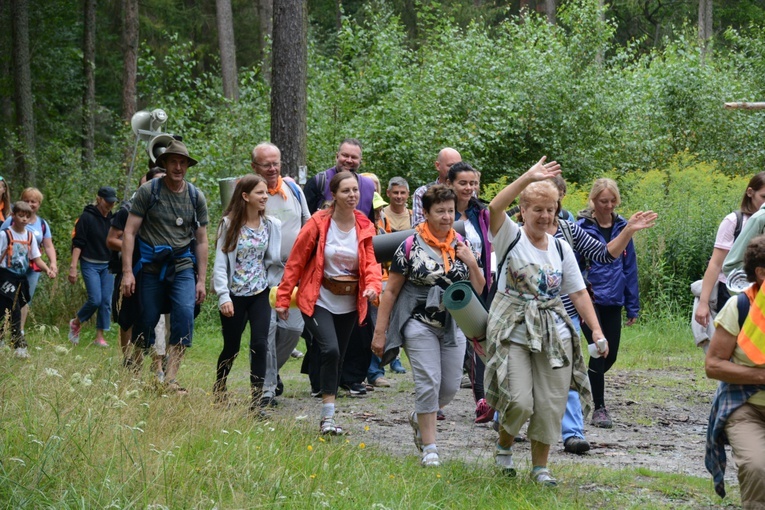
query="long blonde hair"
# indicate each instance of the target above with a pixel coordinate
(598, 187)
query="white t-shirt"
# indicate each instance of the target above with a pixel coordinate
(290, 213)
(21, 254)
(341, 258)
(724, 239)
(535, 274)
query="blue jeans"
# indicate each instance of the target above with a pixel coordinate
(181, 293)
(99, 283)
(572, 424)
(375, 371)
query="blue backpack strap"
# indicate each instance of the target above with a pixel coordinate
(295, 189)
(742, 303)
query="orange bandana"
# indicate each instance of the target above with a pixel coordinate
(447, 250)
(278, 189)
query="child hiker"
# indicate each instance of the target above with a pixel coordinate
(18, 248)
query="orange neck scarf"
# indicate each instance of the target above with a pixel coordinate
(278, 189)
(446, 248)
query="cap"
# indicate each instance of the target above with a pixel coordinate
(378, 201)
(108, 193)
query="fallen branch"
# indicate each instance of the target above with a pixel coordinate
(745, 106)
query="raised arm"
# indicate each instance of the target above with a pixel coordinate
(539, 172)
(637, 222)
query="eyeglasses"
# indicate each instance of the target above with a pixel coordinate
(274, 164)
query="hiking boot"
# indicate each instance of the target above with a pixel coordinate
(416, 428)
(542, 476)
(381, 382)
(601, 418)
(397, 367)
(504, 460)
(21, 353)
(74, 332)
(440, 416)
(576, 445)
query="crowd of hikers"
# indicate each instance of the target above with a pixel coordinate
(295, 262)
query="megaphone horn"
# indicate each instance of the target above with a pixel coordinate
(157, 146)
(141, 121)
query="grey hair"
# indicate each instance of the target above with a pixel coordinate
(264, 145)
(398, 181)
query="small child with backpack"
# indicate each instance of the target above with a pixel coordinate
(19, 248)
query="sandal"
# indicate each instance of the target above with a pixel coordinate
(542, 476)
(328, 427)
(504, 460)
(174, 387)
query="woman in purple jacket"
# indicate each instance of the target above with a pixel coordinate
(613, 286)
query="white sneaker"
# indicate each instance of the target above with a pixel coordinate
(21, 353)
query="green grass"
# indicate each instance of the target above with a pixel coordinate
(76, 431)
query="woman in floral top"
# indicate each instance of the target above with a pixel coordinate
(412, 313)
(249, 244)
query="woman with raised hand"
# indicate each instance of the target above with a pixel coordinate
(613, 285)
(412, 313)
(714, 294)
(249, 245)
(333, 263)
(533, 354)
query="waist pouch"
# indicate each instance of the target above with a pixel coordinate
(341, 285)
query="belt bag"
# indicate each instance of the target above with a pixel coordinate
(341, 285)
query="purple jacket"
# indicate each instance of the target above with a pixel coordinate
(315, 197)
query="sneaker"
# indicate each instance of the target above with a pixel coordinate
(74, 332)
(504, 460)
(465, 382)
(601, 418)
(328, 427)
(100, 342)
(160, 376)
(416, 428)
(483, 413)
(576, 445)
(267, 401)
(279, 385)
(316, 394)
(355, 389)
(430, 458)
(397, 367)
(543, 477)
(21, 353)
(381, 382)
(440, 416)
(296, 354)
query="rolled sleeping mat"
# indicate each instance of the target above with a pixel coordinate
(469, 313)
(385, 245)
(226, 187)
(272, 297)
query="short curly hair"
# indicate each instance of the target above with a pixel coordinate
(436, 194)
(754, 257)
(540, 190)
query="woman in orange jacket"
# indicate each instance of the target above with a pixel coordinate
(334, 264)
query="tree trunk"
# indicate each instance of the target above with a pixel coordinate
(705, 25)
(130, 57)
(89, 89)
(288, 87)
(551, 8)
(22, 77)
(266, 24)
(339, 15)
(227, 49)
(6, 101)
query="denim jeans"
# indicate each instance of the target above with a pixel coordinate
(153, 293)
(572, 424)
(375, 371)
(99, 283)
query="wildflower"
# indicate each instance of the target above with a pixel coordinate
(60, 349)
(310, 448)
(438, 475)
(391, 476)
(313, 476)
(321, 439)
(366, 428)
(362, 445)
(52, 372)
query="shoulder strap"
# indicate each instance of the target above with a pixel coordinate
(154, 198)
(742, 303)
(739, 223)
(9, 248)
(565, 227)
(408, 245)
(501, 262)
(294, 188)
(559, 247)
